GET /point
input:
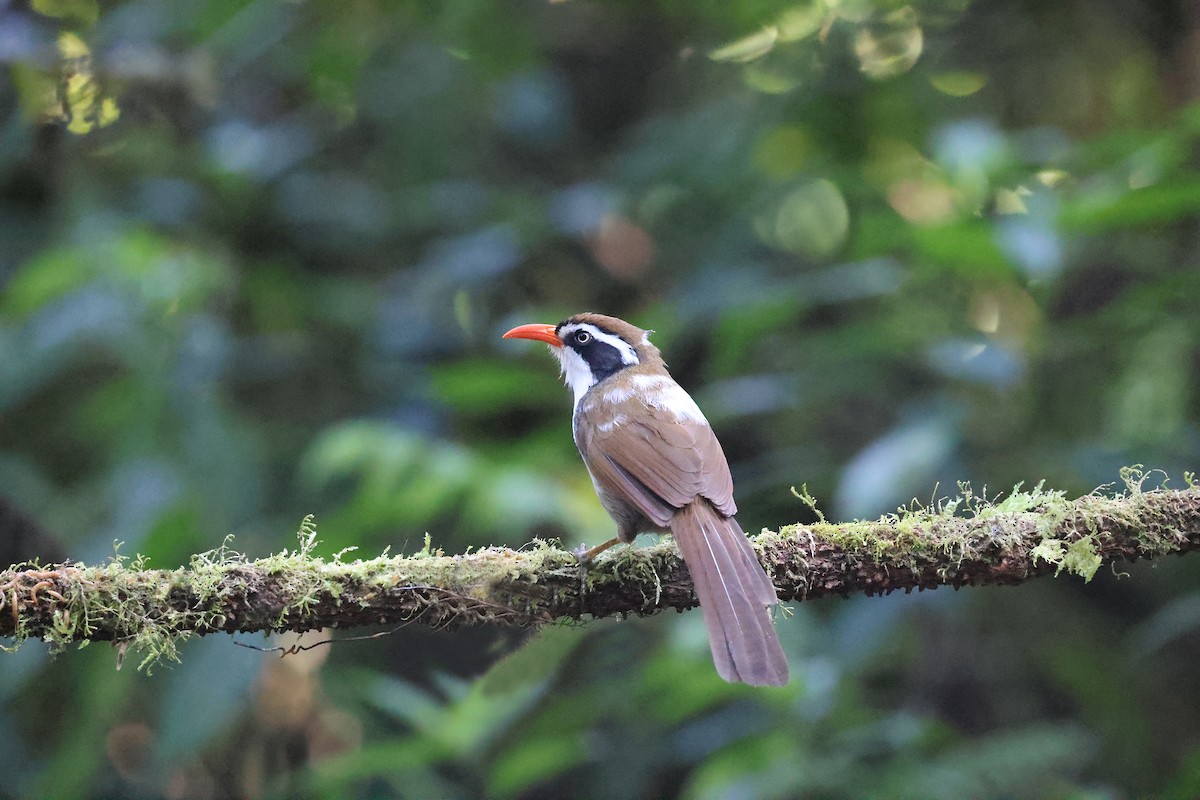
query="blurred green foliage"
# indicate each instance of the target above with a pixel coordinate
(255, 258)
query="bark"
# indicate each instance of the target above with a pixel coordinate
(963, 543)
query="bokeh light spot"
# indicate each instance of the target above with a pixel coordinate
(812, 220)
(1007, 314)
(782, 151)
(534, 108)
(891, 47)
(768, 79)
(891, 160)
(958, 83)
(923, 202)
(622, 248)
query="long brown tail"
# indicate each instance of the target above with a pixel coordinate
(734, 593)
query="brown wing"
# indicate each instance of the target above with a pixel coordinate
(655, 460)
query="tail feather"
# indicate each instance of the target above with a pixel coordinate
(734, 593)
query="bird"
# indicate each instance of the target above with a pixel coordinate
(657, 466)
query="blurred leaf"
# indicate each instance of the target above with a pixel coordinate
(894, 468)
(204, 695)
(77, 757)
(1027, 762)
(748, 48)
(1174, 198)
(1185, 783)
(1150, 401)
(413, 761)
(528, 761)
(969, 247)
(487, 386)
(1179, 617)
(159, 273)
(401, 699)
(773, 766)
(536, 660)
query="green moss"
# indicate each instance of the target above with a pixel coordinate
(137, 604)
(1079, 557)
(947, 529)
(642, 563)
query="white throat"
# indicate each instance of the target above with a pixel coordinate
(576, 372)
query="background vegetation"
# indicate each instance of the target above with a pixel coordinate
(255, 258)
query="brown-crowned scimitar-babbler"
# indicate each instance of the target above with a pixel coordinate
(657, 466)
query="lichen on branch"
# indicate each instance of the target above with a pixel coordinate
(964, 541)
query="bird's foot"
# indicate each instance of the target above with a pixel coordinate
(586, 556)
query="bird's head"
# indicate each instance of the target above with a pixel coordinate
(593, 347)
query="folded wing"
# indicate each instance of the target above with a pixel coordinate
(656, 460)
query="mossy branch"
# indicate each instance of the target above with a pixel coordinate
(966, 541)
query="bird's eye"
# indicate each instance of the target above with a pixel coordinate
(582, 337)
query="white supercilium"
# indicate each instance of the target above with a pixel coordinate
(628, 354)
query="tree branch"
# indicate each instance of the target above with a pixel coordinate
(962, 542)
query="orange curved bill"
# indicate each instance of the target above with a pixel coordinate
(542, 333)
